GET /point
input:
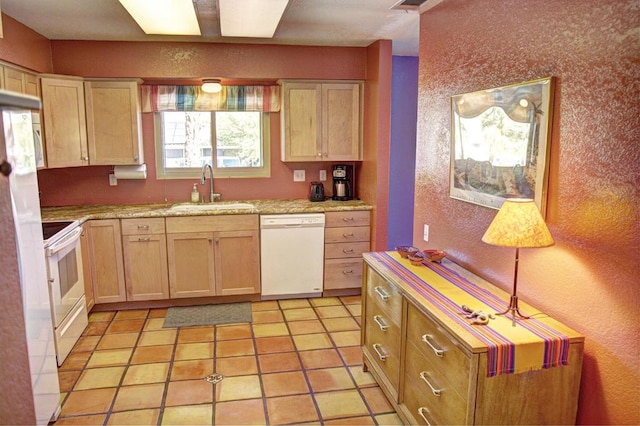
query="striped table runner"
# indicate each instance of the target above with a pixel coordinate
(531, 345)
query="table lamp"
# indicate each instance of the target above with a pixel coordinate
(518, 224)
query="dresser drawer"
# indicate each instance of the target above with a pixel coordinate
(350, 218)
(345, 250)
(384, 295)
(339, 273)
(439, 348)
(142, 226)
(384, 346)
(347, 235)
(432, 388)
(423, 410)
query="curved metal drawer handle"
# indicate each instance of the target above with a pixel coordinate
(345, 235)
(423, 376)
(383, 294)
(348, 219)
(377, 347)
(438, 352)
(347, 272)
(143, 227)
(381, 323)
(144, 239)
(421, 411)
(345, 251)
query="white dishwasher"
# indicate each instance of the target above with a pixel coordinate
(292, 255)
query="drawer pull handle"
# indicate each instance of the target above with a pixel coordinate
(422, 412)
(145, 239)
(143, 226)
(438, 352)
(348, 235)
(381, 323)
(383, 294)
(347, 272)
(345, 251)
(348, 219)
(423, 376)
(377, 347)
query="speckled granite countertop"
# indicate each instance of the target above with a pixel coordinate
(83, 213)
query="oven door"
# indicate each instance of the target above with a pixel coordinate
(64, 266)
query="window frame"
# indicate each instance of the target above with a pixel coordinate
(163, 172)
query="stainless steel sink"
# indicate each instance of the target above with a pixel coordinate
(210, 207)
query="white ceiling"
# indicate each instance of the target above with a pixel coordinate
(305, 22)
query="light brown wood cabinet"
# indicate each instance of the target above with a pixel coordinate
(86, 266)
(64, 122)
(434, 371)
(144, 247)
(213, 255)
(321, 120)
(106, 262)
(19, 81)
(113, 122)
(346, 237)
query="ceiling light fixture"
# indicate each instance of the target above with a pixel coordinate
(167, 17)
(211, 86)
(250, 18)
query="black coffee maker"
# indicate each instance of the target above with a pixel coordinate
(343, 181)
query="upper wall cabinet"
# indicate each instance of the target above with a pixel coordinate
(113, 122)
(321, 120)
(65, 127)
(19, 81)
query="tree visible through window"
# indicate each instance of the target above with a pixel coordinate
(233, 142)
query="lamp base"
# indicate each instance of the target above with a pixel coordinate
(514, 310)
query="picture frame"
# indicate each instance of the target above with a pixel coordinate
(500, 140)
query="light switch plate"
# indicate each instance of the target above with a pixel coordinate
(323, 175)
(298, 176)
(113, 180)
(426, 233)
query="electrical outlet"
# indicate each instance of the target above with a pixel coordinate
(298, 176)
(113, 180)
(323, 175)
(426, 233)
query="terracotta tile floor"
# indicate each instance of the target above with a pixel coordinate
(299, 361)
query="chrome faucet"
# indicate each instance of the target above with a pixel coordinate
(203, 179)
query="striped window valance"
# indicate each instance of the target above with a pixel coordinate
(191, 98)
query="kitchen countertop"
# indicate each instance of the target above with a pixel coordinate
(126, 211)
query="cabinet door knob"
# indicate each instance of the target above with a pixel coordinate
(85, 158)
(5, 168)
(423, 376)
(319, 154)
(378, 348)
(438, 352)
(421, 412)
(381, 322)
(383, 294)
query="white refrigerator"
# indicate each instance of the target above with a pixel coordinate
(28, 375)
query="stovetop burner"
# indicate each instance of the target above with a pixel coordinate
(49, 229)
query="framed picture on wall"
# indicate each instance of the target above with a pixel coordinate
(500, 143)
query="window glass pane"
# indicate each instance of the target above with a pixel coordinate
(186, 136)
(238, 137)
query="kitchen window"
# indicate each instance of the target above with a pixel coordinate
(235, 143)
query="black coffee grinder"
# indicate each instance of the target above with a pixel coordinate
(343, 181)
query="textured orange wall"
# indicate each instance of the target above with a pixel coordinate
(171, 61)
(22, 46)
(373, 175)
(590, 278)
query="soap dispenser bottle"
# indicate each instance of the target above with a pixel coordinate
(195, 195)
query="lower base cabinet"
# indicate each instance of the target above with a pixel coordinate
(106, 261)
(213, 256)
(435, 372)
(144, 247)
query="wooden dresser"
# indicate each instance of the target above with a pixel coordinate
(434, 366)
